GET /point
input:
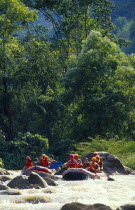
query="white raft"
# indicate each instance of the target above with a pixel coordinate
(81, 174)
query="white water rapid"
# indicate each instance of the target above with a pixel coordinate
(111, 193)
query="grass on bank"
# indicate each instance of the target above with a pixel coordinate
(122, 149)
(1, 163)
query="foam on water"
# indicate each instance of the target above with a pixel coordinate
(111, 193)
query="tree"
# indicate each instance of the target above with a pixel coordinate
(72, 21)
(13, 16)
(39, 78)
(98, 106)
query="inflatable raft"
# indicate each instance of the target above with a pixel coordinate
(39, 169)
(81, 174)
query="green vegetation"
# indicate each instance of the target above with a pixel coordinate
(1, 163)
(13, 154)
(68, 87)
(124, 150)
(123, 19)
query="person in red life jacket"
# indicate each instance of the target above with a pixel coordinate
(86, 162)
(100, 162)
(93, 166)
(72, 163)
(44, 161)
(41, 159)
(28, 162)
(79, 162)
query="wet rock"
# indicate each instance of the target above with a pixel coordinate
(50, 181)
(127, 207)
(25, 182)
(60, 171)
(4, 172)
(4, 178)
(20, 182)
(110, 178)
(35, 178)
(79, 206)
(129, 170)
(4, 187)
(10, 192)
(42, 174)
(111, 164)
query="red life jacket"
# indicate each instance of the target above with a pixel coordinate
(94, 167)
(71, 163)
(79, 163)
(45, 163)
(28, 163)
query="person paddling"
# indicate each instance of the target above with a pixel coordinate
(86, 162)
(28, 162)
(72, 163)
(43, 161)
(79, 162)
(99, 162)
(93, 166)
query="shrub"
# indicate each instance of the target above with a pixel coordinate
(13, 153)
(1, 163)
(123, 149)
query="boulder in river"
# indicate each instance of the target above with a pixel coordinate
(79, 206)
(20, 182)
(127, 207)
(50, 181)
(4, 187)
(4, 172)
(4, 178)
(35, 178)
(10, 192)
(24, 182)
(111, 164)
(43, 175)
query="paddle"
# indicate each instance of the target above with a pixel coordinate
(56, 165)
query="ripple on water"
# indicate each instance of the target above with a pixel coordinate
(33, 199)
(113, 194)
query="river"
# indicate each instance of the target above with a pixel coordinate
(111, 193)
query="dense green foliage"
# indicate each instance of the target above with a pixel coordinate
(67, 86)
(123, 18)
(124, 150)
(13, 154)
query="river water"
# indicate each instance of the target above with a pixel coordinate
(111, 193)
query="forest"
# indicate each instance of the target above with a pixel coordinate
(67, 79)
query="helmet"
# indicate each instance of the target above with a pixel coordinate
(71, 155)
(43, 155)
(76, 155)
(93, 159)
(95, 153)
